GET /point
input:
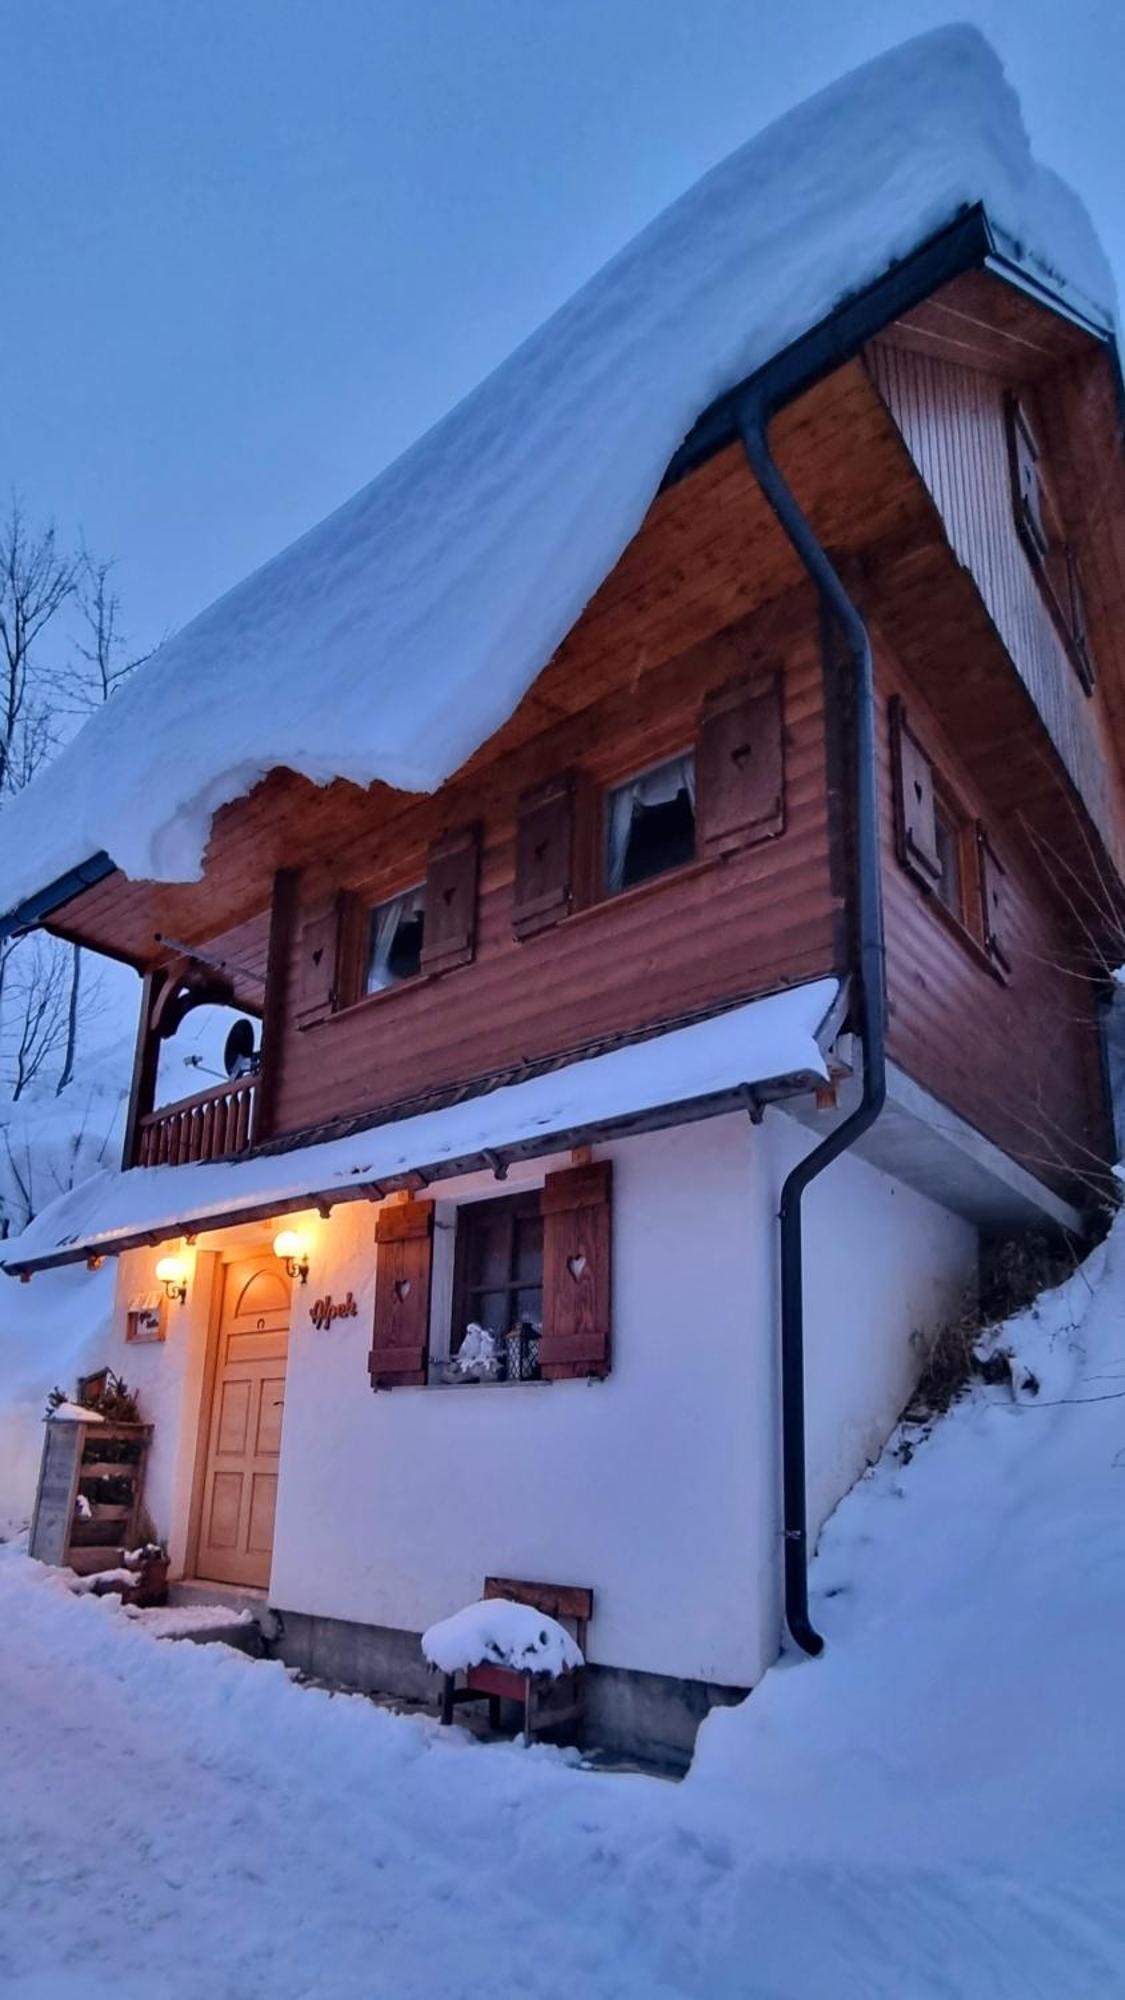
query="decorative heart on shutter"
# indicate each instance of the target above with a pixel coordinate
(740, 756)
(576, 1266)
(402, 1289)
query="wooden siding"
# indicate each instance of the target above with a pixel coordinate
(952, 420)
(717, 930)
(1020, 1058)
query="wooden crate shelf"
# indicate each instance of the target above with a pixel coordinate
(75, 1457)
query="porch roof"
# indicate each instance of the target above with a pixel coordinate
(768, 1047)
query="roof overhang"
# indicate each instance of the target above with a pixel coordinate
(37, 909)
(755, 1053)
(971, 242)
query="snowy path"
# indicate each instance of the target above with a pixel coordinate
(937, 1808)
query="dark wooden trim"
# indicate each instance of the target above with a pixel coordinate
(146, 1056)
(283, 911)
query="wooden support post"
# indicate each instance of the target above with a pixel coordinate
(146, 1056)
(282, 914)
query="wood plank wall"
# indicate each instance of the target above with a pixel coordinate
(952, 421)
(1021, 1060)
(762, 918)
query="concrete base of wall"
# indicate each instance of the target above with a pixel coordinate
(652, 1718)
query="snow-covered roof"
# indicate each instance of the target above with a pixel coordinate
(391, 640)
(761, 1042)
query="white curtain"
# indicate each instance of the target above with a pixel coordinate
(384, 930)
(652, 788)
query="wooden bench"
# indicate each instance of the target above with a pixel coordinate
(548, 1703)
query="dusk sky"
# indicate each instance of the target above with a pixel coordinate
(250, 251)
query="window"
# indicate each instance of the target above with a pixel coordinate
(395, 940)
(1041, 532)
(650, 824)
(497, 1318)
(947, 851)
(513, 1288)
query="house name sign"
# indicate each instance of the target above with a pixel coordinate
(323, 1311)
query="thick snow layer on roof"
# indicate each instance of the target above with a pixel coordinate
(773, 1037)
(396, 636)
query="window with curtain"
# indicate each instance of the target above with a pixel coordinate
(395, 945)
(650, 824)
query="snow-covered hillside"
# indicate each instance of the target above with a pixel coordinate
(935, 1807)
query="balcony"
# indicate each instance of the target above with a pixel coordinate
(216, 1124)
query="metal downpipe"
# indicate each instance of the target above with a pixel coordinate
(753, 413)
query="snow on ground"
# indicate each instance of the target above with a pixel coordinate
(431, 600)
(934, 1808)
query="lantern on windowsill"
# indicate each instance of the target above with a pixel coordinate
(522, 1352)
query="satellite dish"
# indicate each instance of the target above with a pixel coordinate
(240, 1057)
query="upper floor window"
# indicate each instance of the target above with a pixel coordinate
(650, 824)
(1041, 532)
(395, 940)
(946, 850)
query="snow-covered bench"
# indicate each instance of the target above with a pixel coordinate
(515, 1645)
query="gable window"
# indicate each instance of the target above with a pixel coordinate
(497, 1318)
(947, 851)
(1041, 531)
(395, 940)
(650, 824)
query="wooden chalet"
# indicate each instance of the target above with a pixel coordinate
(508, 1196)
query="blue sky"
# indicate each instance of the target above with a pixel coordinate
(252, 247)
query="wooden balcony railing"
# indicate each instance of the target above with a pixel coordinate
(217, 1124)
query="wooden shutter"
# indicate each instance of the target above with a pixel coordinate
(995, 904)
(576, 1272)
(1075, 616)
(915, 819)
(449, 935)
(1027, 493)
(316, 983)
(404, 1236)
(544, 857)
(740, 765)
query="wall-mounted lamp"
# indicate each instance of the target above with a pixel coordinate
(172, 1274)
(291, 1247)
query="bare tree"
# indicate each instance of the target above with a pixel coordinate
(37, 1012)
(36, 580)
(101, 659)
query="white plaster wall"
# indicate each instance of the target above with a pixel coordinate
(651, 1486)
(660, 1486)
(882, 1264)
(167, 1377)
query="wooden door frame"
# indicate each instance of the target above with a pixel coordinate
(205, 1413)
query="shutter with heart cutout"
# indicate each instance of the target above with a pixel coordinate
(995, 901)
(740, 765)
(404, 1235)
(576, 1272)
(316, 989)
(544, 857)
(915, 816)
(449, 934)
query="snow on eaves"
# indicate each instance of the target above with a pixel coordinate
(394, 637)
(757, 1043)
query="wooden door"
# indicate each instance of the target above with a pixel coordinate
(244, 1441)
